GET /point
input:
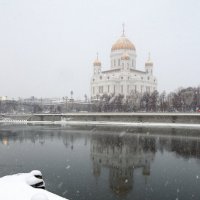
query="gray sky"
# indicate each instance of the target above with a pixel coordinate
(47, 46)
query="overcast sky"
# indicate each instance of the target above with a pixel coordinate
(47, 46)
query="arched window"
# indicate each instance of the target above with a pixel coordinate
(100, 89)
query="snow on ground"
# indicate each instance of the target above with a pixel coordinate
(25, 186)
(107, 123)
(126, 124)
(119, 124)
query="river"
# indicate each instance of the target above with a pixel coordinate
(99, 163)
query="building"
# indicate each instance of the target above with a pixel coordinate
(3, 98)
(121, 156)
(123, 76)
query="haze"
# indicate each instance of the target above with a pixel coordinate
(47, 47)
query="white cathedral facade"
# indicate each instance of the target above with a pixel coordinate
(122, 77)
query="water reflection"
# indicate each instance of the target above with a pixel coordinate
(122, 155)
(130, 163)
(40, 135)
(5, 140)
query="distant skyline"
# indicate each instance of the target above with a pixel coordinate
(47, 47)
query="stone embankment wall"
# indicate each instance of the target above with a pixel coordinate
(121, 117)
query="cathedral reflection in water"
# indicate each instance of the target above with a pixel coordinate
(122, 156)
(120, 159)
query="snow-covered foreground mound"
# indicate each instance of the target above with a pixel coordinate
(26, 186)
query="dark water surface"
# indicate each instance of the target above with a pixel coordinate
(106, 163)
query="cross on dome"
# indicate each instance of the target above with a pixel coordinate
(123, 42)
(123, 29)
(149, 61)
(97, 62)
(149, 56)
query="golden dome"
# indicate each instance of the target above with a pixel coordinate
(123, 43)
(97, 62)
(125, 56)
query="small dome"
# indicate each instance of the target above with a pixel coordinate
(125, 56)
(123, 43)
(149, 61)
(97, 62)
(148, 64)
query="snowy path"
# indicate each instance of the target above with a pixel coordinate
(106, 123)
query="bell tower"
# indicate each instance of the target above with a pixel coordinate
(149, 65)
(97, 65)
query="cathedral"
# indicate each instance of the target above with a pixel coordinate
(123, 76)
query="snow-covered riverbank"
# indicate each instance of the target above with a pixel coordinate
(25, 186)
